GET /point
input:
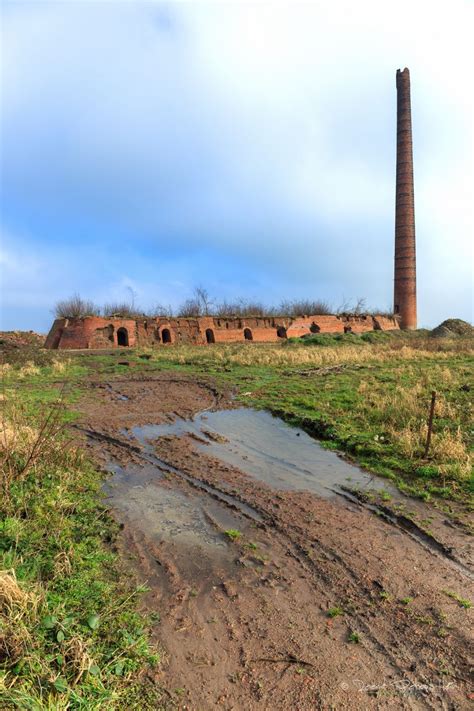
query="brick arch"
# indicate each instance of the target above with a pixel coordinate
(122, 336)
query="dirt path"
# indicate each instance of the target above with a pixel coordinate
(245, 616)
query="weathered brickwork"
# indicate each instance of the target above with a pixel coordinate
(405, 248)
(95, 332)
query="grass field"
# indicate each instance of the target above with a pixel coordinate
(70, 633)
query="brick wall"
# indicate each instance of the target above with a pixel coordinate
(96, 332)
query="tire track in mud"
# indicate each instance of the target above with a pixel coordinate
(331, 572)
(353, 585)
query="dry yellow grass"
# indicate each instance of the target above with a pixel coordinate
(277, 355)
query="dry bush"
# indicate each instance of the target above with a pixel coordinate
(191, 308)
(21, 446)
(27, 370)
(75, 307)
(60, 366)
(304, 307)
(121, 309)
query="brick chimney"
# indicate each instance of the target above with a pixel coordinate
(405, 247)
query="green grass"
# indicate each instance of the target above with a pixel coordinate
(70, 632)
(335, 612)
(462, 602)
(233, 534)
(354, 637)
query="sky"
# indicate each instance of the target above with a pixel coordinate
(150, 147)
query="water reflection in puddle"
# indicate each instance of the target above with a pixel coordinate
(266, 448)
(192, 525)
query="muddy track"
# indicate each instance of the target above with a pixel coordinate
(245, 624)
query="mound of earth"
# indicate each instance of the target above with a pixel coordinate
(20, 339)
(453, 327)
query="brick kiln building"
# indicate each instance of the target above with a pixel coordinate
(98, 332)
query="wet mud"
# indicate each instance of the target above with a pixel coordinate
(278, 573)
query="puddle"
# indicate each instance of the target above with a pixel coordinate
(268, 449)
(192, 527)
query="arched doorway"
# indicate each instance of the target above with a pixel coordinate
(210, 338)
(166, 335)
(281, 332)
(314, 328)
(122, 337)
(248, 334)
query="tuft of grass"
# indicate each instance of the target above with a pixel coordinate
(406, 600)
(233, 534)
(335, 612)
(462, 602)
(354, 637)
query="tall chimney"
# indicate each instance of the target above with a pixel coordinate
(405, 247)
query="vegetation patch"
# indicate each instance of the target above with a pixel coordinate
(70, 633)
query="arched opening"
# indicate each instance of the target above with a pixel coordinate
(210, 338)
(347, 329)
(314, 328)
(122, 337)
(248, 334)
(281, 332)
(166, 335)
(110, 333)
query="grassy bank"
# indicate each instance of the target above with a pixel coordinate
(70, 633)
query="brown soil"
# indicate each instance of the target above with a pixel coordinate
(246, 624)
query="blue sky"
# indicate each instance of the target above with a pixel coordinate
(247, 147)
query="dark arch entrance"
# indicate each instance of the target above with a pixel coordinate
(166, 335)
(314, 328)
(210, 338)
(281, 332)
(248, 334)
(122, 337)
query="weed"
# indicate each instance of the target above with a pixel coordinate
(463, 602)
(335, 612)
(406, 600)
(233, 534)
(354, 637)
